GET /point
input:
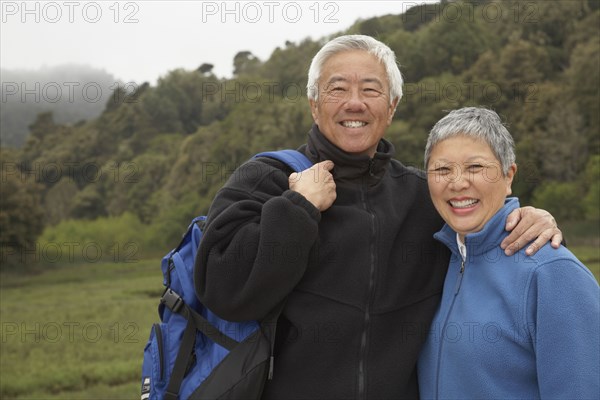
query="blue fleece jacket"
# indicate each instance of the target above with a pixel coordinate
(515, 327)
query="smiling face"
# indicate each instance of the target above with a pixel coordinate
(466, 183)
(353, 109)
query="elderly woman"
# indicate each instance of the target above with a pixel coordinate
(508, 327)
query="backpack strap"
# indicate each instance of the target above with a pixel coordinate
(181, 362)
(195, 322)
(293, 158)
(175, 303)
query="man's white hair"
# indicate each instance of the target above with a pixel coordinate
(355, 42)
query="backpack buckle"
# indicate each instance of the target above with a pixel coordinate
(172, 300)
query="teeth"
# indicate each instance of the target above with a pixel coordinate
(463, 203)
(353, 124)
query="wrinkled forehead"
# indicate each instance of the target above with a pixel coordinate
(354, 78)
(353, 66)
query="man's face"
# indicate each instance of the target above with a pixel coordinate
(353, 109)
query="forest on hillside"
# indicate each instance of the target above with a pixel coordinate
(156, 155)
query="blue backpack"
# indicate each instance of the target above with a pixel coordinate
(194, 354)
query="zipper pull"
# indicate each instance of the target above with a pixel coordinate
(460, 277)
(271, 362)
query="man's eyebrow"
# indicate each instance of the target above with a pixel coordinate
(335, 79)
(373, 80)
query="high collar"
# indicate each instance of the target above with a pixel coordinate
(356, 168)
(490, 236)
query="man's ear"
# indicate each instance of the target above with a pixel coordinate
(393, 106)
(314, 110)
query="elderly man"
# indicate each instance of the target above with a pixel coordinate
(348, 244)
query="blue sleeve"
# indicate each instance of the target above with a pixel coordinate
(564, 315)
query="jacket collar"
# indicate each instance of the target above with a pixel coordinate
(489, 237)
(350, 167)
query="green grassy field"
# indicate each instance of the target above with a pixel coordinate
(78, 331)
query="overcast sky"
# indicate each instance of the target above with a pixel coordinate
(143, 40)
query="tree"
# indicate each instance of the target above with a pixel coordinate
(176, 104)
(409, 53)
(561, 199)
(244, 62)
(454, 42)
(591, 201)
(522, 66)
(419, 15)
(205, 68)
(562, 159)
(59, 201)
(549, 23)
(583, 76)
(287, 67)
(88, 203)
(40, 129)
(151, 170)
(21, 214)
(370, 27)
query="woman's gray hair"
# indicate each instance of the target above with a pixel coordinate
(355, 42)
(478, 123)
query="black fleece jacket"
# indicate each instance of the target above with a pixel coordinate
(362, 279)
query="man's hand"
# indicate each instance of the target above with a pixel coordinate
(316, 184)
(527, 224)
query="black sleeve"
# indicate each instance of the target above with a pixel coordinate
(256, 243)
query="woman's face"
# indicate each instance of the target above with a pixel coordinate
(466, 183)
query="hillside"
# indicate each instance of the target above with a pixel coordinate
(157, 155)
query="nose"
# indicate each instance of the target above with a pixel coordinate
(355, 101)
(459, 181)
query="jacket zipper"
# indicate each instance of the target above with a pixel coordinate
(461, 273)
(370, 292)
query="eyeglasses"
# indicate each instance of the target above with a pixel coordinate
(453, 172)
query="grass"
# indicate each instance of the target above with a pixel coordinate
(590, 257)
(583, 239)
(78, 331)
